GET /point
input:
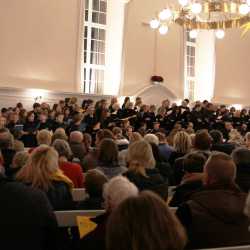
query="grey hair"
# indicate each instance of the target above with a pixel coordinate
(117, 190)
(241, 156)
(62, 147)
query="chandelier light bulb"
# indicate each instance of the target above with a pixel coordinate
(244, 9)
(196, 8)
(193, 34)
(163, 29)
(154, 24)
(184, 2)
(220, 34)
(165, 14)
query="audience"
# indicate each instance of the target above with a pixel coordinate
(241, 157)
(94, 183)
(193, 164)
(107, 161)
(142, 171)
(213, 217)
(42, 172)
(144, 222)
(72, 170)
(115, 191)
(106, 141)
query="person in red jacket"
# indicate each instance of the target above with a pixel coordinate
(72, 170)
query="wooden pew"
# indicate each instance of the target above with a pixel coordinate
(68, 218)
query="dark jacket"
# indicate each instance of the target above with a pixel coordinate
(112, 170)
(27, 219)
(95, 240)
(60, 196)
(79, 151)
(226, 148)
(8, 155)
(184, 191)
(243, 177)
(214, 218)
(152, 181)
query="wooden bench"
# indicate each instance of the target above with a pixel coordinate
(68, 218)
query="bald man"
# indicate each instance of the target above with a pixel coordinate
(214, 215)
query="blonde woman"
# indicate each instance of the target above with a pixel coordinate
(182, 145)
(142, 171)
(42, 172)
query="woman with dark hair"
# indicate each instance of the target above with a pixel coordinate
(144, 222)
(108, 159)
(126, 100)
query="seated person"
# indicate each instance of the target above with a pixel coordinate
(27, 219)
(77, 146)
(213, 217)
(144, 222)
(218, 144)
(115, 191)
(59, 134)
(72, 170)
(94, 183)
(44, 123)
(241, 157)
(19, 161)
(42, 172)
(7, 148)
(107, 160)
(142, 171)
(193, 164)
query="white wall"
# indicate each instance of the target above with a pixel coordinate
(141, 47)
(39, 44)
(232, 82)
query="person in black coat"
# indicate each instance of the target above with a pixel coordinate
(193, 165)
(27, 219)
(241, 157)
(94, 183)
(142, 171)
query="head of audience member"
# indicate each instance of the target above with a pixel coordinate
(247, 139)
(144, 222)
(117, 190)
(6, 139)
(135, 136)
(219, 170)
(18, 146)
(59, 134)
(103, 134)
(42, 168)
(20, 159)
(140, 157)
(3, 122)
(202, 141)
(44, 137)
(87, 140)
(161, 137)
(117, 133)
(235, 137)
(182, 142)
(217, 136)
(241, 156)
(76, 137)
(94, 183)
(63, 149)
(151, 138)
(194, 162)
(108, 153)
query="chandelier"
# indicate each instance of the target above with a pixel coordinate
(193, 15)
